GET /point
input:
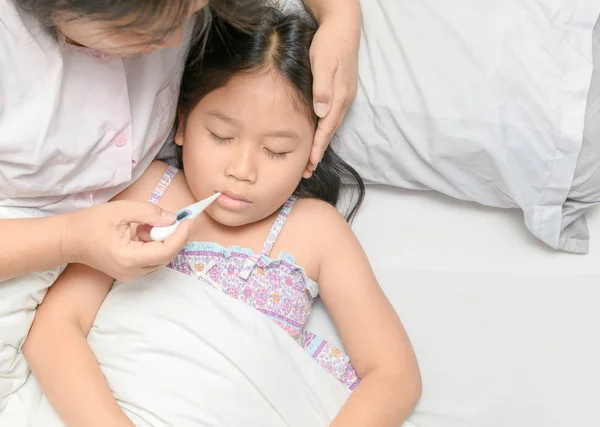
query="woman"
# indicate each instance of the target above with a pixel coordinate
(88, 92)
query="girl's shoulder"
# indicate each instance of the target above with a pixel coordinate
(175, 196)
(317, 210)
(314, 232)
(318, 219)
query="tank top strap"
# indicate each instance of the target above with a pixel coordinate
(252, 261)
(278, 225)
(162, 185)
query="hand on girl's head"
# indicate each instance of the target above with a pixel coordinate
(334, 63)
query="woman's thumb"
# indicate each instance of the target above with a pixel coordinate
(323, 78)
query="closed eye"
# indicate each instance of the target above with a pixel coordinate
(219, 139)
(275, 155)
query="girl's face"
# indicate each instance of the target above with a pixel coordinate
(106, 36)
(249, 140)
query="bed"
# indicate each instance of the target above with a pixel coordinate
(504, 328)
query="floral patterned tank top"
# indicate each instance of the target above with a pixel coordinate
(276, 287)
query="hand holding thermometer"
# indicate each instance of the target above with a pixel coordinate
(158, 234)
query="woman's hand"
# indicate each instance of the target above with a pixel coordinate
(334, 61)
(101, 237)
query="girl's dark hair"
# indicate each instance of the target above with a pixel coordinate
(140, 14)
(281, 42)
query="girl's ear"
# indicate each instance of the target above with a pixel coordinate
(179, 134)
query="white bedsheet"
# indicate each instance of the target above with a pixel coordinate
(176, 352)
(505, 329)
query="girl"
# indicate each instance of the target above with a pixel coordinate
(245, 129)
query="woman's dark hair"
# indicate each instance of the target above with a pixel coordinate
(140, 14)
(280, 42)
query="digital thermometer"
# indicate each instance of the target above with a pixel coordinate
(158, 234)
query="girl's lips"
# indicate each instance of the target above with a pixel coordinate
(230, 202)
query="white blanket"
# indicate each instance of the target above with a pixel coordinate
(178, 353)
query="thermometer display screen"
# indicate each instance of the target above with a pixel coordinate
(183, 215)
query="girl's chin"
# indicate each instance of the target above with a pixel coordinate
(228, 218)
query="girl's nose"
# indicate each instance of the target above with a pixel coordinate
(242, 164)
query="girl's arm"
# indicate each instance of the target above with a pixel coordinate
(372, 333)
(60, 357)
(57, 349)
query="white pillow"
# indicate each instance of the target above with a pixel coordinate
(482, 100)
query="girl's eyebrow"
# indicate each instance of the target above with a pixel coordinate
(224, 117)
(283, 134)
